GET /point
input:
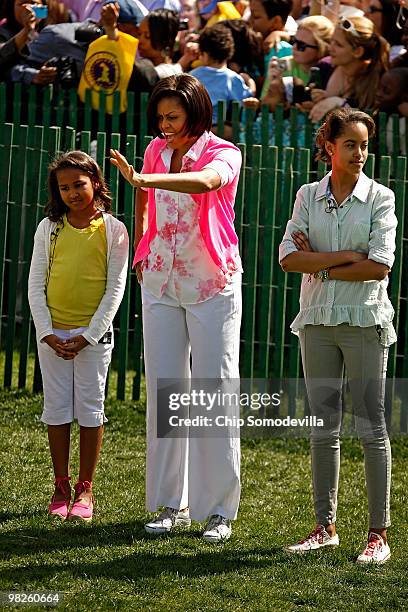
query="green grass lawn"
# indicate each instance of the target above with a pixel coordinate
(114, 565)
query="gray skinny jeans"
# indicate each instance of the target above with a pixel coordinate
(325, 351)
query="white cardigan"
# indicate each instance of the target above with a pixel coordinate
(117, 258)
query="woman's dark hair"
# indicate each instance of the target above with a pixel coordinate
(163, 28)
(281, 8)
(247, 46)
(12, 24)
(390, 31)
(335, 125)
(218, 42)
(55, 207)
(191, 94)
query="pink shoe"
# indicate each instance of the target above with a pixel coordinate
(60, 508)
(82, 510)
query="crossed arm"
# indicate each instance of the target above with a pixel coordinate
(342, 265)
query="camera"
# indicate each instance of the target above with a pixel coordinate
(316, 77)
(183, 25)
(88, 32)
(301, 94)
(40, 12)
(67, 71)
(284, 63)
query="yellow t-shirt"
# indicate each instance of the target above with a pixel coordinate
(78, 273)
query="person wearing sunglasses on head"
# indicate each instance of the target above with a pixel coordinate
(360, 57)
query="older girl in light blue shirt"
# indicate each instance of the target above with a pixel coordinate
(342, 238)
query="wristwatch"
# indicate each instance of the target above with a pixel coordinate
(322, 275)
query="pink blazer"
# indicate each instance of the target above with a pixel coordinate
(216, 217)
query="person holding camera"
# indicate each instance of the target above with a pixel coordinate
(19, 29)
(289, 77)
(60, 48)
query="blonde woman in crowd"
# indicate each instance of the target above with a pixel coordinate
(310, 44)
(360, 57)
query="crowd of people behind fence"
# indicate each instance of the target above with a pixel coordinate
(310, 54)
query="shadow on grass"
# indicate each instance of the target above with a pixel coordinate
(11, 516)
(182, 553)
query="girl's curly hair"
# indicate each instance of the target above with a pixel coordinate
(55, 207)
(334, 126)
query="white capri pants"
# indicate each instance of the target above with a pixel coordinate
(74, 389)
(201, 473)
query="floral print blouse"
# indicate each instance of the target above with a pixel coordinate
(179, 263)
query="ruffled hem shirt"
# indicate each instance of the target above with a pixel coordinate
(364, 222)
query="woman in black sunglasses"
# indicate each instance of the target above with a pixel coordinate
(310, 44)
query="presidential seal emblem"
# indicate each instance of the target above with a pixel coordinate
(102, 72)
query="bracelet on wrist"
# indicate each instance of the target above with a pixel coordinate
(322, 275)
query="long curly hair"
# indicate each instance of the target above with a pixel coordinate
(55, 207)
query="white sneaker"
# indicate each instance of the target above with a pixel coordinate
(167, 520)
(316, 539)
(376, 551)
(218, 528)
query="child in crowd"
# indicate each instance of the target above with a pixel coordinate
(268, 16)
(392, 93)
(76, 283)
(216, 46)
(392, 98)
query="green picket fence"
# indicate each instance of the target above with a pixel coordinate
(50, 106)
(269, 179)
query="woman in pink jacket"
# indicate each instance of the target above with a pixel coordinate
(188, 264)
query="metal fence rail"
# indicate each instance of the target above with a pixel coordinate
(269, 179)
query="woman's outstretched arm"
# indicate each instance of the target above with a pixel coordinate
(203, 181)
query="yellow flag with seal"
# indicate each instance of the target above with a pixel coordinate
(108, 68)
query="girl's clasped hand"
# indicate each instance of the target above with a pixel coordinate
(67, 349)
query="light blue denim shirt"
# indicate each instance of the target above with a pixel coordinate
(364, 222)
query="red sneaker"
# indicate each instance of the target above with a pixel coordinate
(376, 552)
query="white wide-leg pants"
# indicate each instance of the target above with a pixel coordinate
(202, 473)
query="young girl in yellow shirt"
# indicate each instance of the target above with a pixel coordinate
(76, 283)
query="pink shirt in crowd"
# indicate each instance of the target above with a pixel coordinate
(216, 208)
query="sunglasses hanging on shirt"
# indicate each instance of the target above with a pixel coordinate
(331, 204)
